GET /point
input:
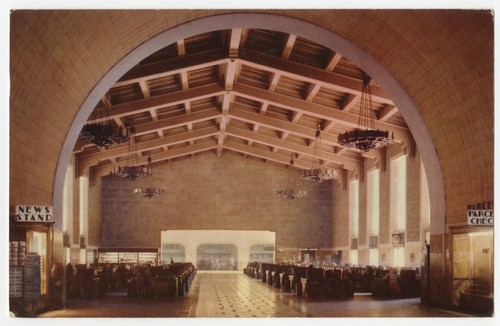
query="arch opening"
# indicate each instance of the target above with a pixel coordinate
(285, 24)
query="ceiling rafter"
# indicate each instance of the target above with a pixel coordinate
(263, 154)
(234, 42)
(174, 66)
(260, 61)
(289, 46)
(387, 112)
(230, 77)
(332, 63)
(348, 163)
(218, 94)
(281, 125)
(267, 155)
(350, 101)
(105, 169)
(309, 74)
(85, 160)
(226, 102)
(166, 100)
(179, 121)
(312, 109)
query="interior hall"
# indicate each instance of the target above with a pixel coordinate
(251, 163)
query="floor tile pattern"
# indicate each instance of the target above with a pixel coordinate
(233, 295)
(230, 295)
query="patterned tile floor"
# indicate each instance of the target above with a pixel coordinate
(233, 294)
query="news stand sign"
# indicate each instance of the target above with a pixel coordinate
(34, 214)
(480, 217)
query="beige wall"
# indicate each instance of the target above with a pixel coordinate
(340, 211)
(210, 192)
(95, 214)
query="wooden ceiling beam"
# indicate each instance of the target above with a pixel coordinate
(274, 81)
(178, 121)
(332, 63)
(350, 101)
(312, 109)
(209, 144)
(258, 60)
(312, 91)
(231, 65)
(267, 155)
(122, 109)
(106, 101)
(143, 84)
(174, 66)
(220, 143)
(86, 160)
(287, 50)
(296, 105)
(281, 125)
(263, 154)
(387, 112)
(105, 169)
(166, 100)
(226, 102)
(229, 61)
(230, 75)
(234, 42)
(184, 79)
(181, 48)
(348, 163)
(312, 75)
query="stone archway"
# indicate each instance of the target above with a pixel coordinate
(307, 30)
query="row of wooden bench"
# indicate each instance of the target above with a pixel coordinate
(138, 280)
(335, 281)
(301, 280)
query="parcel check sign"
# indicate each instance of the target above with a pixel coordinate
(480, 217)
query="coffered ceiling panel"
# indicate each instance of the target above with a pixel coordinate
(256, 93)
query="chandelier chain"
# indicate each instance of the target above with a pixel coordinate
(290, 192)
(366, 120)
(318, 172)
(133, 170)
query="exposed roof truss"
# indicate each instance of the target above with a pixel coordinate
(255, 93)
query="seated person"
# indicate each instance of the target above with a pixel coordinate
(392, 279)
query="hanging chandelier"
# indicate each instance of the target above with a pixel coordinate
(133, 170)
(319, 171)
(148, 192)
(103, 132)
(366, 137)
(291, 193)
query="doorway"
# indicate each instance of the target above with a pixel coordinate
(473, 269)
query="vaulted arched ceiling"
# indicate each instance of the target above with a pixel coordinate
(257, 93)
